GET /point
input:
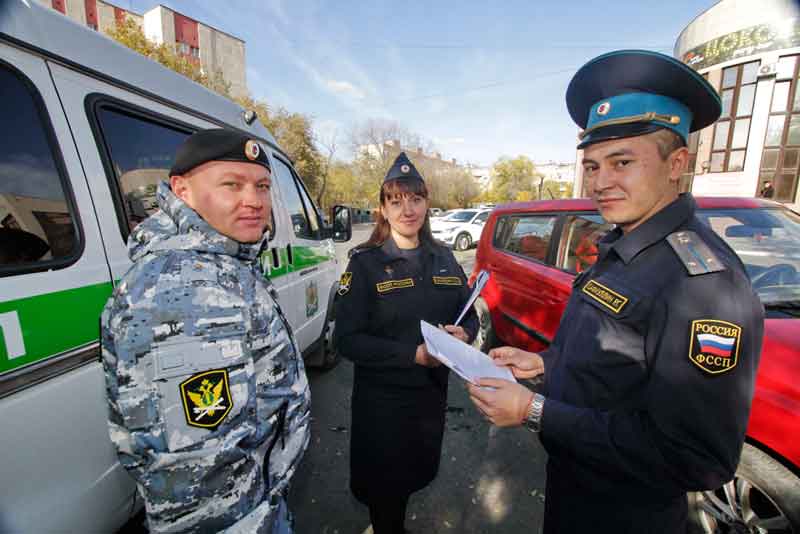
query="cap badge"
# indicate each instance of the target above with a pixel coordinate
(604, 108)
(252, 150)
(405, 169)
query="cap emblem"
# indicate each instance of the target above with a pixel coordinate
(405, 169)
(252, 150)
(604, 108)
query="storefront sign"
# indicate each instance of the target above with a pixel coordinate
(746, 42)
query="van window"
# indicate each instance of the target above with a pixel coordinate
(36, 222)
(141, 152)
(301, 210)
(578, 245)
(526, 235)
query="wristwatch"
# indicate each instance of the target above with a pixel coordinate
(534, 416)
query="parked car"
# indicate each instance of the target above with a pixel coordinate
(95, 128)
(460, 228)
(533, 251)
(436, 212)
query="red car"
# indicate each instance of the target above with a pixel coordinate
(533, 251)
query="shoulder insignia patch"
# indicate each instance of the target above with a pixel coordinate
(605, 296)
(714, 345)
(390, 285)
(206, 398)
(694, 253)
(447, 281)
(344, 283)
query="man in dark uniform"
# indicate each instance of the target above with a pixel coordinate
(398, 277)
(649, 379)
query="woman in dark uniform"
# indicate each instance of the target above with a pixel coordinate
(397, 277)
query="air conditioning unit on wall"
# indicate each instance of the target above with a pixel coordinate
(768, 69)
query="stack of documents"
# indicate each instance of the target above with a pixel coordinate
(466, 361)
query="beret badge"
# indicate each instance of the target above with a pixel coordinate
(252, 150)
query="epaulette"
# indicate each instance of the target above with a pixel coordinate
(694, 253)
(357, 250)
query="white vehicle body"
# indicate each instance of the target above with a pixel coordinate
(461, 228)
(91, 126)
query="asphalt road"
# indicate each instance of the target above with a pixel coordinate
(490, 480)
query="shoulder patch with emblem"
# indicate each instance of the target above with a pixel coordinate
(206, 398)
(391, 285)
(344, 283)
(714, 345)
(447, 281)
(605, 296)
(694, 253)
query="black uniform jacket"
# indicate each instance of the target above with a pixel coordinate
(398, 406)
(650, 377)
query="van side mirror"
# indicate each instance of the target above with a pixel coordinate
(342, 224)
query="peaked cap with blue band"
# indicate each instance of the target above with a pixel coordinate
(402, 168)
(635, 92)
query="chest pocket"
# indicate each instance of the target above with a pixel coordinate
(610, 334)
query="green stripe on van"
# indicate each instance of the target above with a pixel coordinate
(303, 258)
(36, 328)
(50, 324)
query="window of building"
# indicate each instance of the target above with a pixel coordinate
(140, 151)
(578, 250)
(37, 220)
(525, 235)
(738, 93)
(305, 223)
(780, 160)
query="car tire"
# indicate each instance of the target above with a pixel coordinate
(763, 493)
(463, 241)
(485, 339)
(325, 357)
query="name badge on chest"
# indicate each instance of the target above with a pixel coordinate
(605, 296)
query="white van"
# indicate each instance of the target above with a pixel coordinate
(89, 127)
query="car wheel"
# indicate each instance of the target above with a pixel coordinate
(330, 356)
(485, 339)
(463, 241)
(763, 497)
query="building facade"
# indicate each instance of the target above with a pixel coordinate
(215, 51)
(750, 53)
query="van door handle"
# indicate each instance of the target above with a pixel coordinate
(289, 254)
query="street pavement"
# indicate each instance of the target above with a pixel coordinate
(490, 479)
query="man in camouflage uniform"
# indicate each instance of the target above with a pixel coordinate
(208, 398)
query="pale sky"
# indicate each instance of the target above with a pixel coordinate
(479, 79)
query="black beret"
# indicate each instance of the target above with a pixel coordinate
(217, 144)
(402, 168)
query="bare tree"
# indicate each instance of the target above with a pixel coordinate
(329, 145)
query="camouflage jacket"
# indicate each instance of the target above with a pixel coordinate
(207, 393)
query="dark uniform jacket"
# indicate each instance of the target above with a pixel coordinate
(650, 377)
(398, 406)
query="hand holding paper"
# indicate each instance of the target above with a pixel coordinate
(466, 361)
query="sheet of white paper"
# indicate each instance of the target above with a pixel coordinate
(465, 360)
